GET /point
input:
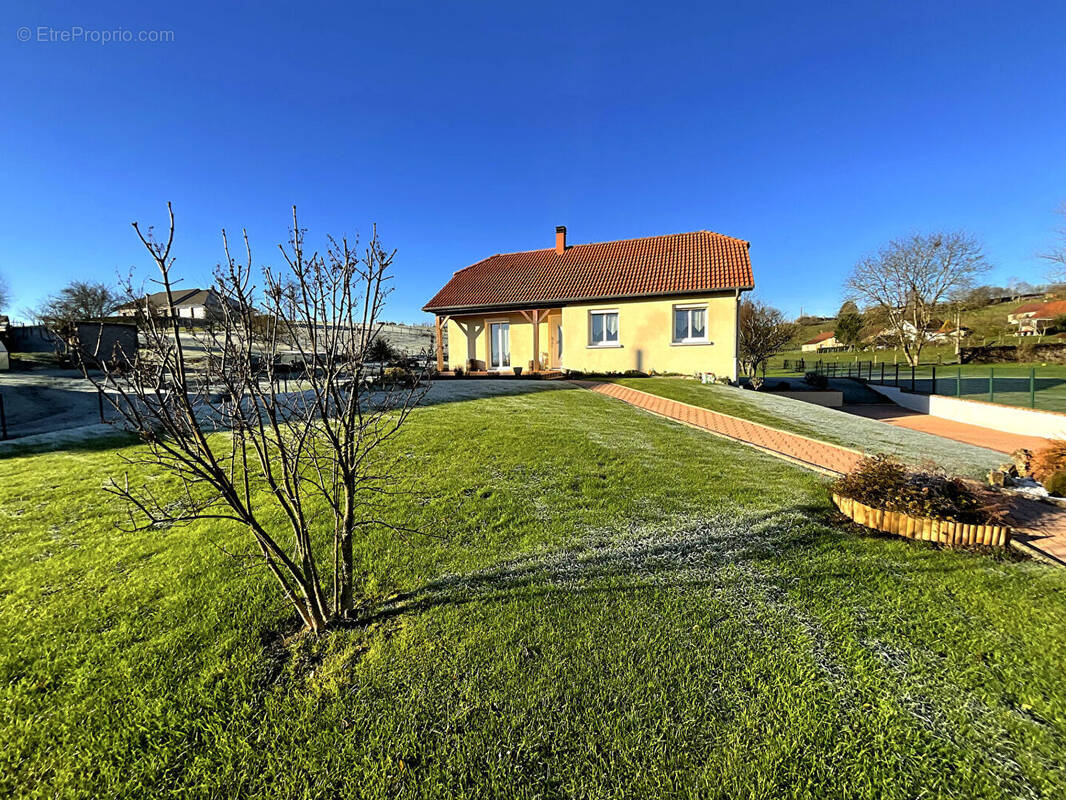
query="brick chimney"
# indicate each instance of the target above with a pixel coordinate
(560, 239)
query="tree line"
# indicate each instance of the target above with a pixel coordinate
(902, 287)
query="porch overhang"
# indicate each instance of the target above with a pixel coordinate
(467, 318)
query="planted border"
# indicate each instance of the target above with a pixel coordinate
(926, 529)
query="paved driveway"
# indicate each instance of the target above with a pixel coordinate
(47, 400)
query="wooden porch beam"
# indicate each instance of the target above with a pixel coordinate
(441, 321)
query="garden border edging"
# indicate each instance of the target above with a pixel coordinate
(923, 529)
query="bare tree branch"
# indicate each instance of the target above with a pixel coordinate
(908, 279)
(271, 412)
(763, 332)
(1056, 255)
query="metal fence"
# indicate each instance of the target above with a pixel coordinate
(1029, 387)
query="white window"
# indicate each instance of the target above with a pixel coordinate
(690, 324)
(603, 328)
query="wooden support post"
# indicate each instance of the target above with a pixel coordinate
(440, 345)
(536, 340)
(534, 318)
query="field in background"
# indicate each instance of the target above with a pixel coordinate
(1027, 385)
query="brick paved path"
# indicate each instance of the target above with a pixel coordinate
(1038, 527)
(828, 457)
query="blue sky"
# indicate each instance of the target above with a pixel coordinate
(817, 131)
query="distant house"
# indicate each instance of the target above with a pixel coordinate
(823, 341)
(191, 304)
(1034, 319)
(949, 333)
(663, 303)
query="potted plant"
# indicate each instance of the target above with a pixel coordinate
(517, 371)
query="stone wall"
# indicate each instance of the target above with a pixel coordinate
(105, 339)
(1045, 352)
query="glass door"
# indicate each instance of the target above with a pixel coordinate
(500, 339)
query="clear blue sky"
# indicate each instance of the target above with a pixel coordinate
(814, 130)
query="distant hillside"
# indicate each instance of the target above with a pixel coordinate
(988, 323)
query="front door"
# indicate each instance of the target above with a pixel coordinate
(555, 340)
(500, 345)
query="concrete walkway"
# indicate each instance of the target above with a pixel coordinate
(946, 428)
(1039, 528)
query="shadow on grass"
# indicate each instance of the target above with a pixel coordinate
(740, 548)
(67, 441)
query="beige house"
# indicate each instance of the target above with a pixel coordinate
(823, 341)
(190, 304)
(657, 304)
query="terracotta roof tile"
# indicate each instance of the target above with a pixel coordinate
(1028, 307)
(1044, 310)
(658, 265)
(821, 337)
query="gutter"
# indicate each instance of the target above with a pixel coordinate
(564, 301)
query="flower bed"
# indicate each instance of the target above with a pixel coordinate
(882, 494)
(926, 529)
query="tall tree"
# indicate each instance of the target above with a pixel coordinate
(302, 472)
(847, 307)
(762, 333)
(1056, 254)
(848, 329)
(5, 294)
(80, 300)
(908, 278)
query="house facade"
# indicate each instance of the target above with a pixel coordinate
(823, 341)
(190, 304)
(1036, 319)
(661, 303)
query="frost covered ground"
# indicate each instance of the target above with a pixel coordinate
(828, 425)
(603, 604)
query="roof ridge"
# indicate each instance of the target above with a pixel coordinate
(638, 266)
(612, 241)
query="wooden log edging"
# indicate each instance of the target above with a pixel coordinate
(949, 532)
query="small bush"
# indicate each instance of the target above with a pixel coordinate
(881, 481)
(755, 383)
(634, 373)
(458, 372)
(1056, 484)
(816, 380)
(1050, 460)
(398, 375)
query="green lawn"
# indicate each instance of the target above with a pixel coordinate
(611, 605)
(825, 424)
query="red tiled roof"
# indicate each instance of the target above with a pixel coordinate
(1028, 308)
(1045, 310)
(679, 263)
(821, 337)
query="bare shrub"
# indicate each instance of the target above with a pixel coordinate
(280, 428)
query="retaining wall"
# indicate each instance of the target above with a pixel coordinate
(1009, 419)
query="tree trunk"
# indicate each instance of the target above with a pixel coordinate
(347, 593)
(345, 599)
